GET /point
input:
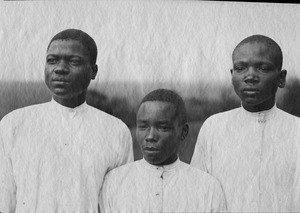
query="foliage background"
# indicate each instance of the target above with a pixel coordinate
(15, 95)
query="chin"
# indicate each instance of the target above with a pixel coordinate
(152, 160)
(251, 101)
(62, 95)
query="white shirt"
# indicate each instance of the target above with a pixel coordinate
(54, 158)
(254, 156)
(178, 187)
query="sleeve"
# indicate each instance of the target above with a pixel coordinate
(125, 153)
(218, 199)
(296, 187)
(7, 182)
(200, 158)
(105, 204)
(296, 192)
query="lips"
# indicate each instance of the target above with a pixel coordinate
(151, 149)
(250, 91)
(59, 80)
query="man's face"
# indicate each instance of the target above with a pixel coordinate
(158, 132)
(68, 71)
(255, 76)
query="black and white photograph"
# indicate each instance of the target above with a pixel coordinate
(149, 106)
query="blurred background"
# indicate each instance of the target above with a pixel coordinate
(144, 45)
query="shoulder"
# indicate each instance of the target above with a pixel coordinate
(285, 115)
(203, 182)
(225, 114)
(105, 118)
(122, 172)
(220, 118)
(287, 122)
(199, 176)
(200, 182)
(29, 112)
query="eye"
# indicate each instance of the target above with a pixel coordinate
(239, 68)
(51, 60)
(264, 69)
(75, 61)
(164, 128)
(142, 126)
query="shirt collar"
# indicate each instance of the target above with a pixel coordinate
(164, 168)
(68, 110)
(261, 116)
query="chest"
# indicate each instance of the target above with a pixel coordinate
(254, 152)
(54, 151)
(159, 193)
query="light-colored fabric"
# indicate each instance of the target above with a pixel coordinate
(254, 156)
(54, 158)
(142, 187)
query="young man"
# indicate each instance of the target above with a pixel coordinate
(160, 182)
(251, 150)
(54, 156)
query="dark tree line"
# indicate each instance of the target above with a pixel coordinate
(20, 94)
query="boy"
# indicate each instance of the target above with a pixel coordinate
(251, 150)
(160, 182)
(54, 156)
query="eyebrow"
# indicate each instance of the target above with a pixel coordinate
(65, 56)
(157, 122)
(241, 62)
(164, 122)
(68, 55)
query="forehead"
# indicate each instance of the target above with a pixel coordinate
(257, 51)
(67, 47)
(156, 110)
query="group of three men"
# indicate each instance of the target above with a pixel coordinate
(66, 156)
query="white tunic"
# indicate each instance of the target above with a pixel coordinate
(54, 158)
(142, 187)
(254, 156)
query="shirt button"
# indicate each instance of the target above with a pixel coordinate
(157, 194)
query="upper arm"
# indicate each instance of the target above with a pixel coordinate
(125, 149)
(105, 195)
(218, 199)
(201, 156)
(7, 182)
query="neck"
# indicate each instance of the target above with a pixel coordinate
(259, 107)
(168, 161)
(71, 102)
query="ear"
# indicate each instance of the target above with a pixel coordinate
(185, 131)
(282, 78)
(94, 71)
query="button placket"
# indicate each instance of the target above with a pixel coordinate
(159, 190)
(261, 118)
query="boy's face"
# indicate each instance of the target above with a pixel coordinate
(68, 71)
(158, 132)
(255, 76)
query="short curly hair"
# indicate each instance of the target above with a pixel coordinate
(166, 95)
(270, 44)
(78, 35)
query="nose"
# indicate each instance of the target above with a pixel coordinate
(151, 136)
(251, 75)
(62, 68)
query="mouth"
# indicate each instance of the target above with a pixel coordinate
(250, 91)
(62, 81)
(150, 149)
